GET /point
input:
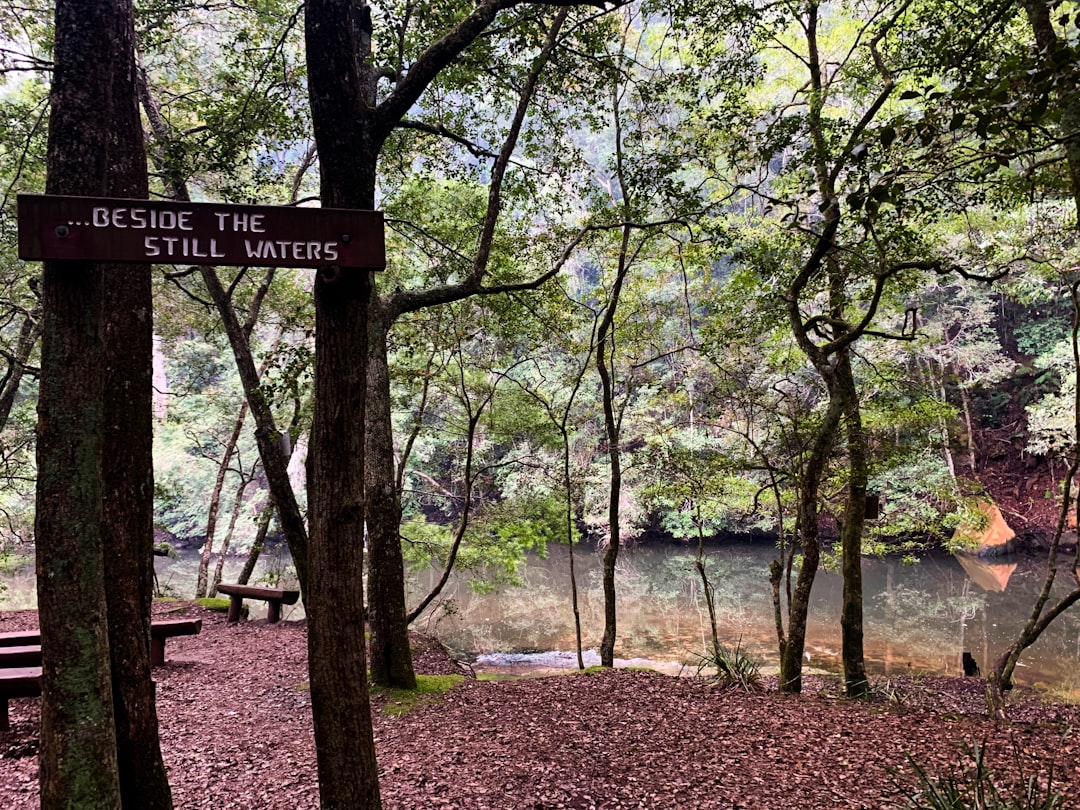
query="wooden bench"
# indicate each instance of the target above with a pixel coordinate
(23, 647)
(19, 682)
(168, 628)
(274, 597)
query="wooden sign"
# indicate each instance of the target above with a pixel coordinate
(158, 232)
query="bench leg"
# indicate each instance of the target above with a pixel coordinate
(235, 603)
(157, 651)
(5, 723)
(273, 612)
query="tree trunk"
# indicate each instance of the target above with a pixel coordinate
(611, 555)
(341, 86)
(344, 743)
(851, 614)
(215, 503)
(78, 755)
(257, 546)
(226, 541)
(29, 333)
(391, 657)
(792, 659)
(267, 436)
(127, 466)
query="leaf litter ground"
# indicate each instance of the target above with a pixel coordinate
(236, 733)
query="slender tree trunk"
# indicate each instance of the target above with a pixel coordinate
(29, 333)
(568, 484)
(215, 502)
(391, 657)
(611, 428)
(257, 546)
(851, 614)
(706, 586)
(799, 607)
(226, 541)
(267, 436)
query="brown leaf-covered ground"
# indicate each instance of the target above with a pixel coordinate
(236, 733)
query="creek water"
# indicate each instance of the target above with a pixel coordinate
(918, 617)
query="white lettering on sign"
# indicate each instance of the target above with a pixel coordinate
(102, 217)
(171, 235)
(299, 251)
(240, 222)
(181, 247)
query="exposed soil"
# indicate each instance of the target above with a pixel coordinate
(236, 733)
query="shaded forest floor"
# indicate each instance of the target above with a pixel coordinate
(236, 733)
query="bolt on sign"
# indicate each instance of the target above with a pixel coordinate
(161, 232)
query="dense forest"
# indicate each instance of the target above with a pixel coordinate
(654, 269)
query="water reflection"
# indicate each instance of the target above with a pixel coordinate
(919, 618)
(990, 575)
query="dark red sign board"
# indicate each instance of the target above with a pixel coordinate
(159, 232)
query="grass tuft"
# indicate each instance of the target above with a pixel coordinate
(732, 667)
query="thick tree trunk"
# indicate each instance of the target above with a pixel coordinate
(127, 466)
(391, 657)
(78, 755)
(341, 86)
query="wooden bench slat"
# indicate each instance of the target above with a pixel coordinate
(21, 682)
(274, 597)
(24, 655)
(286, 597)
(19, 638)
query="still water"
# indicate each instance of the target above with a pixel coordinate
(918, 617)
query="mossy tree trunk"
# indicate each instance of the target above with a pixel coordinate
(94, 492)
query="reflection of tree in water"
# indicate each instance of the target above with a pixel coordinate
(932, 621)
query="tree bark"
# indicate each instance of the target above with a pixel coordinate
(341, 85)
(851, 614)
(78, 756)
(127, 466)
(391, 658)
(799, 607)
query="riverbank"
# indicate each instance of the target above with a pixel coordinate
(236, 733)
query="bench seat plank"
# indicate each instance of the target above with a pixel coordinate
(21, 682)
(274, 598)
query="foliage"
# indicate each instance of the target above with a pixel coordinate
(976, 789)
(733, 668)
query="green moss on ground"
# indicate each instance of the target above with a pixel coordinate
(403, 701)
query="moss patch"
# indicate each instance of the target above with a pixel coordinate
(397, 702)
(216, 604)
